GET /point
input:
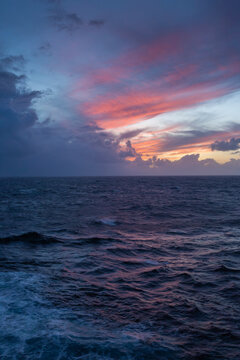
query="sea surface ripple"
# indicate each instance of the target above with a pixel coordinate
(120, 268)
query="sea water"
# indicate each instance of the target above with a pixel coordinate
(120, 268)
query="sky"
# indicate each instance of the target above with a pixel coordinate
(110, 87)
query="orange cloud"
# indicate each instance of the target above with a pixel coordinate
(157, 147)
(133, 106)
(132, 62)
(157, 77)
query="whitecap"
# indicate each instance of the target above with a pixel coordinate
(108, 221)
(151, 262)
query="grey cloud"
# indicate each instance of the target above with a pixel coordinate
(183, 138)
(89, 151)
(60, 151)
(230, 145)
(66, 21)
(187, 165)
(129, 134)
(96, 22)
(71, 21)
(127, 151)
(180, 139)
(12, 62)
(45, 47)
(17, 115)
(235, 126)
(30, 147)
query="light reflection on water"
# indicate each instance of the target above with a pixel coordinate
(120, 268)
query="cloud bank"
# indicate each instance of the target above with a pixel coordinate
(137, 93)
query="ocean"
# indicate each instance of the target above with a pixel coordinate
(120, 268)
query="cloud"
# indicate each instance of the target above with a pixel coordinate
(31, 147)
(16, 112)
(28, 146)
(121, 105)
(230, 145)
(45, 47)
(69, 21)
(11, 62)
(75, 148)
(161, 74)
(96, 22)
(159, 59)
(129, 134)
(128, 151)
(180, 139)
(66, 21)
(187, 165)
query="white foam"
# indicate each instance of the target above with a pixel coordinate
(151, 262)
(108, 221)
(24, 313)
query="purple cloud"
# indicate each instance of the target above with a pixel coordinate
(229, 145)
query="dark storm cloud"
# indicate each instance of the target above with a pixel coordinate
(230, 145)
(16, 112)
(31, 147)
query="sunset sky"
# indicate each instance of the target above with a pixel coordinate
(119, 87)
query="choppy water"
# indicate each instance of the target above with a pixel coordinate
(120, 268)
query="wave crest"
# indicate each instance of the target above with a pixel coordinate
(32, 237)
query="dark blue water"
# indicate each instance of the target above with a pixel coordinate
(120, 268)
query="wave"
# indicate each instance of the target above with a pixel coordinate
(30, 237)
(37, 238)
(152, 272)
(224, 268)
(106, 221)
(232, 222)
(93, 240)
